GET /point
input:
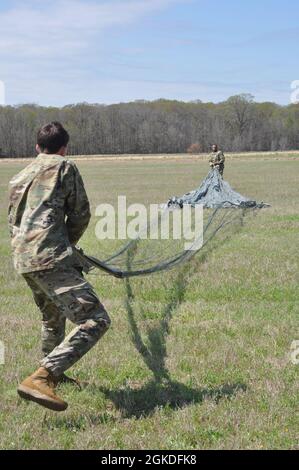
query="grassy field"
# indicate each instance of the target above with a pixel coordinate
(198, 358)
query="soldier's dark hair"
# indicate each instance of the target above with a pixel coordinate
(52, 137)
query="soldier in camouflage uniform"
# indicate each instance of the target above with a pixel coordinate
(217, 159)
(48, 213)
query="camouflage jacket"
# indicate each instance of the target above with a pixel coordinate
(217, 158)
(48, 213)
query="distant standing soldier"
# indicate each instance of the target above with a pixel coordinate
(48, 214)
(217, 159)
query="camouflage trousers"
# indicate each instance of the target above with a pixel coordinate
(64, 294)
(221, 169)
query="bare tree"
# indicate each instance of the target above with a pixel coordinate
(161, 126)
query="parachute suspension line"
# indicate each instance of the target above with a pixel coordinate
(122, 264)
(135, 240)
(141, 255)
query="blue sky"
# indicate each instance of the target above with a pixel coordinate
(69, 51)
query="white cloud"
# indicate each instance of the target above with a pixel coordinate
(2, 93)
(58, 43)
(59, 52)
(66, 26)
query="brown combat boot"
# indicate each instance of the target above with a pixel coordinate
(39, 387)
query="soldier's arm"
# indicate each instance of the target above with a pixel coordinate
(221, 157)
(212, 160)
(10, 220)
(77, 204)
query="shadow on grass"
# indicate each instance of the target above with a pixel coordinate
(166, 394)
(162, 391)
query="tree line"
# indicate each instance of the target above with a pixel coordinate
(162, 126)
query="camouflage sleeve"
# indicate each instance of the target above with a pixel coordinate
(10, 220)
(77, 204)
(221, 157)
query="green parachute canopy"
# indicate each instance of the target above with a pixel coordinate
(224, 211)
